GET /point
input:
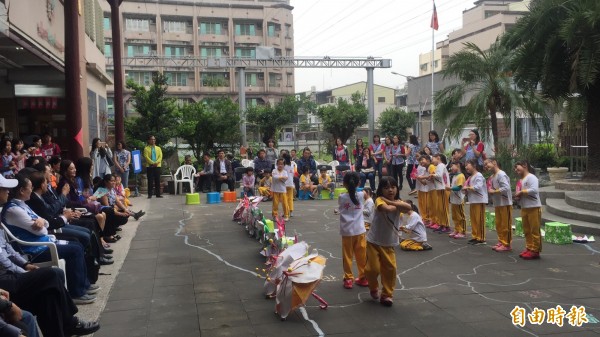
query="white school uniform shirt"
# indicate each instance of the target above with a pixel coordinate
(414, 223)
(368, 210)
(501, 182)
(457, 197)
(352, 221)
(278, 186)
(422, 171)
(479, 193)
(290, 180)
(530, 184)
(442, 177)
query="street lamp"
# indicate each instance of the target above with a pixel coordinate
(410, 78)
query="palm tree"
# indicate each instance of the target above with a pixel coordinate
(557, 48)
(485, 77)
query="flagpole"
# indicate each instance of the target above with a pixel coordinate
(432, 66)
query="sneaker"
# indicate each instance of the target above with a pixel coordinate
(496, 246)
(82, 328)
(312, 197)
(531, 255)
(444, 230)
(427, 223)
(479, 243)
(472, 241)
(286, 219)
(93, 289)
(386, 301)
(503, 248)
(427, 246)
(374, 294)
(459, 236)
(452, 234)
(291, 214)
(412, 192)
(435, 227)
(526, 251)
(361, 282)
(85, 299)
(348, 283)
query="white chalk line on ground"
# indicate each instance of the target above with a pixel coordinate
(181, 222)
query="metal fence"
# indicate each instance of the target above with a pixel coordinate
(573, 144)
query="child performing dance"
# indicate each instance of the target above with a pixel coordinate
(499, 192)
(457, 203)
(381, 240)
(476, 190)
(531, 210)
(352, 230)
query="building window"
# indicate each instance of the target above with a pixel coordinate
(107, 50)
(214, 79)
(174, 27)
(288, 52)
(380, 99)
(251, 102)
(274, 80)
(435, 63)
(423, 67)
(172, 51)
(245, 29)
(110, 73)
(138, 50)
(140, 77)
(251, 80)
(288, 31)
(245, 53)
(210, 52)
(106, 23)
(181, 102)
(213, 28)
(177, 79)
(273, 29)
(137, 25)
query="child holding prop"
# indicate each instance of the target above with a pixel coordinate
(500, 193)
(414, 226)
(264, 186)
(381, 240)
(352, 230)
(476, 190)
(531, 209)
(457, 201)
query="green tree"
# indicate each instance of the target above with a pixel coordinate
(159, 114)
(557, 48)
(208, 123)
(271, 118)
(485, 77)
(395, 121)
(343, 118)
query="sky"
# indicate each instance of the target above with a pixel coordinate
(394, 29)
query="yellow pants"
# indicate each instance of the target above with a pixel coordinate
(504, 221)
(442, 207)
(458, 217)
(264, 191)
(423, 204)
(290, 197)
(411, 245)
(279, 197)
(532, 219)
(381, 260)
(477, 212)
(433, 206)
(354, 247)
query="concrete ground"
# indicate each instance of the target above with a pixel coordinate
(190, 271)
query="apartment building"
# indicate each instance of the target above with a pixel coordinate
(181, 29)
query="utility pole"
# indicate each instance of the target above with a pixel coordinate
(371, 103)
(73, 80)
(118, 104)
(242, 103)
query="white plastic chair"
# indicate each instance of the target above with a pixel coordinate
(247, 162)
(187, 176)
(331, 173)
(55, 261)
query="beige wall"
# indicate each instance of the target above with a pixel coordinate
(346, 92)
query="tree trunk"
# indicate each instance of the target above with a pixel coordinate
(494, 122)
(593, 125)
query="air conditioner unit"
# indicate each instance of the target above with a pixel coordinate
(261, 76)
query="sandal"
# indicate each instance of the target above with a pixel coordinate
(110, 240)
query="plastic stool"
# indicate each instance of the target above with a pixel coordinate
(339, 191)
(229, 197)
(325, 194)
(192, 199)
(213, 198)
(303, 195)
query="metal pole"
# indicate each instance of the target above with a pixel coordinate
(242, 102)
(74, 110)
(512, 122)
(115, 21)
(432, 73)
(371, 102)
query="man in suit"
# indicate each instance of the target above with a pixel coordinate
(39, 290)
(205, 176)
(223, 172)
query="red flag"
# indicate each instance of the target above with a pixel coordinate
(434, 18)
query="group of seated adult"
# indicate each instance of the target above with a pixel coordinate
(78, 205)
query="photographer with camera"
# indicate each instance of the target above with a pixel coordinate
(102, 157)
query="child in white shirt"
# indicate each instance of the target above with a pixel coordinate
(413, 224)
(368, 208)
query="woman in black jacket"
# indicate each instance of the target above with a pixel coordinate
(365, 166)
